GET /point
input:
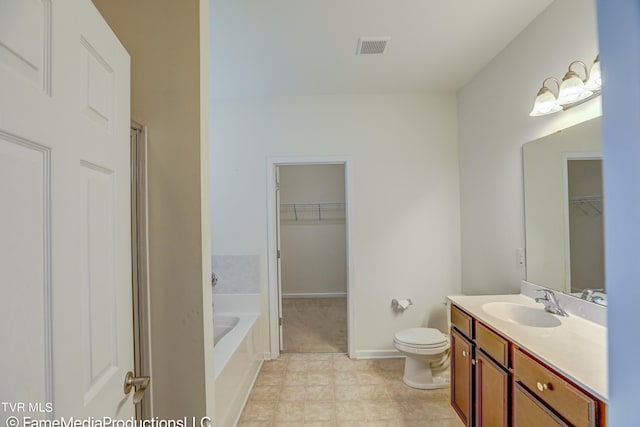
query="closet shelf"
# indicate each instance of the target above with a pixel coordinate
(587, 204)
(312, 212)
(586, 199)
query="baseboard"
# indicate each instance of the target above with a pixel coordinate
(315, 295)
(376, 354)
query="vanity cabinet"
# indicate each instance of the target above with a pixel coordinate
(495, 383)
(479, 377)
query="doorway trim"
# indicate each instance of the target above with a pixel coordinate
(272, 230)
(141, 303)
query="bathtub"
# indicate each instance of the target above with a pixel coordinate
(222, 325)
(236, 356)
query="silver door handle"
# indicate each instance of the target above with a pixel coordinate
(140, 383)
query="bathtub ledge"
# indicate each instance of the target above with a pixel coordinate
(228, 344)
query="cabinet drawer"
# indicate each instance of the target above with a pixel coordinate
(462, 321)
(570, 403)
(527, 412)
(492, 344)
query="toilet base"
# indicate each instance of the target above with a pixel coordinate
(438, 382)
(418, 374)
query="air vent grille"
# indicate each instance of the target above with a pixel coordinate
(372, 45)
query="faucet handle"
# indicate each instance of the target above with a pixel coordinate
(587, 294)
(547, 294)
(551, 303)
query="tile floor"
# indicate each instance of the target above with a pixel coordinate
(309, 390)
(316, 325)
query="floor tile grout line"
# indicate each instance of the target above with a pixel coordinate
(389, 375)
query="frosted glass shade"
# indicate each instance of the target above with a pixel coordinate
(545, 103)
(572, 89)
(595, 77)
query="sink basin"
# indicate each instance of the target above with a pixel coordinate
(521, 314)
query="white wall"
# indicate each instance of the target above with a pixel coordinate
(313, 251)
(312, 183)
(404, 183)
(619, 25)
(168, 84)
(494, 122)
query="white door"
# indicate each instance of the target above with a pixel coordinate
(279, 260)
(65, 264)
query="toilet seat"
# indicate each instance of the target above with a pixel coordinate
(421, 338)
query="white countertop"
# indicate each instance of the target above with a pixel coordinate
(577, 348)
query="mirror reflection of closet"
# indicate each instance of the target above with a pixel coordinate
(564, 212)
(585, 224)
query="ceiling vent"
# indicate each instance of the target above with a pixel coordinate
(372, 45)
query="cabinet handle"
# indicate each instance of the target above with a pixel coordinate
(464, 353)
(543, 387)
(473, 361)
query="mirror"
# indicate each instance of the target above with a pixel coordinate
(564, 211)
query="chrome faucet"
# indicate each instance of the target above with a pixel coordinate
(214, 279)
(588, 294)
(551, 303)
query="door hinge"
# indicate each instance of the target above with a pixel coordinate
(280, 321)
(278, 253)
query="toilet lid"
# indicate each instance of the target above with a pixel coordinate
(421, 337)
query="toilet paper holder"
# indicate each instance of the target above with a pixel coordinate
(401, 304)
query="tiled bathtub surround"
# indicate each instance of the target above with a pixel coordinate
(237, 274)
(332, 390)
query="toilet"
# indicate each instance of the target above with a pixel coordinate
(427, 357)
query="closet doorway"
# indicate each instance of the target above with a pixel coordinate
(311, 257)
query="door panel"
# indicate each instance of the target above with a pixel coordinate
(25, 301)
(25, 40)
(461, 377)
(279, 260)
(64, 175)
(98, 276)
(492, 391)
(97, 85)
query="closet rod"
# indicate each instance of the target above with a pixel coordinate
(299, 208)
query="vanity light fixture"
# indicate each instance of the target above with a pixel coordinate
(546, 102)
(572, 91)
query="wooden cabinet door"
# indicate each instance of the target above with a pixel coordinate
(461, 377)
(492, 393)
(528, 412)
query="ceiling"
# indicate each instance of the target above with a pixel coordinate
(307, 47)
